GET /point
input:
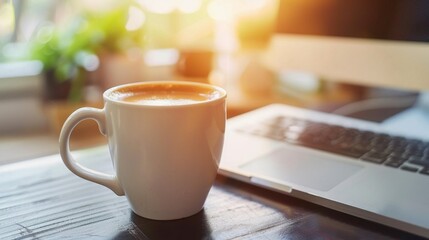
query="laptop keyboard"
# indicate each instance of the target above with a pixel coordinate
(391, 151)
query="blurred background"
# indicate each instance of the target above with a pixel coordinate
(57, 56)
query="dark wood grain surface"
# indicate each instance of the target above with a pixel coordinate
(41, 199)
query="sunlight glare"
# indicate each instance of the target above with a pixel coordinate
(7, 16)
(189, 6)
(168, 6)
(158, 6)
(136, 19)
(222, 10)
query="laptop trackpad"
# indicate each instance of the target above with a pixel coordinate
(301, 168)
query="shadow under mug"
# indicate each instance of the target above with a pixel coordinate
(165, 157)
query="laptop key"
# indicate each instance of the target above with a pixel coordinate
(379, 148)
(375, 157)
(425, 171)
(409, 168)
(395, 161)
(419, 162)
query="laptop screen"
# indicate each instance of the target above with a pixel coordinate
(381, 43)
(405, 20)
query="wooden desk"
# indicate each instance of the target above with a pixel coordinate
(41, 199)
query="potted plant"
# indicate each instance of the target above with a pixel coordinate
(71, 54)
(63, 74)
(117, 43)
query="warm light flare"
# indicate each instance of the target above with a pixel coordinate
(253, 5)
(189, 6)
(158, 6)
(228, 10)
(168, 6)
(136, 19)
(222, 10)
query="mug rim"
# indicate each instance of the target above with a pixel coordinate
(108, 98)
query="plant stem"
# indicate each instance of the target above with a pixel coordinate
(77, 87)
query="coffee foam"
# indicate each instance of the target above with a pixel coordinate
(160, 98)
(165, 94)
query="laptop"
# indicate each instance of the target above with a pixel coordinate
(350, 165)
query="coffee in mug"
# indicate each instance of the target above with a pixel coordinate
(165, 140)
(166, 94)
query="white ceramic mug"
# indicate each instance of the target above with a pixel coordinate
(165, 157)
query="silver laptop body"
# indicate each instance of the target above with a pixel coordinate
(379, 193)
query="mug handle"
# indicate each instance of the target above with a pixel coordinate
(110, 181)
